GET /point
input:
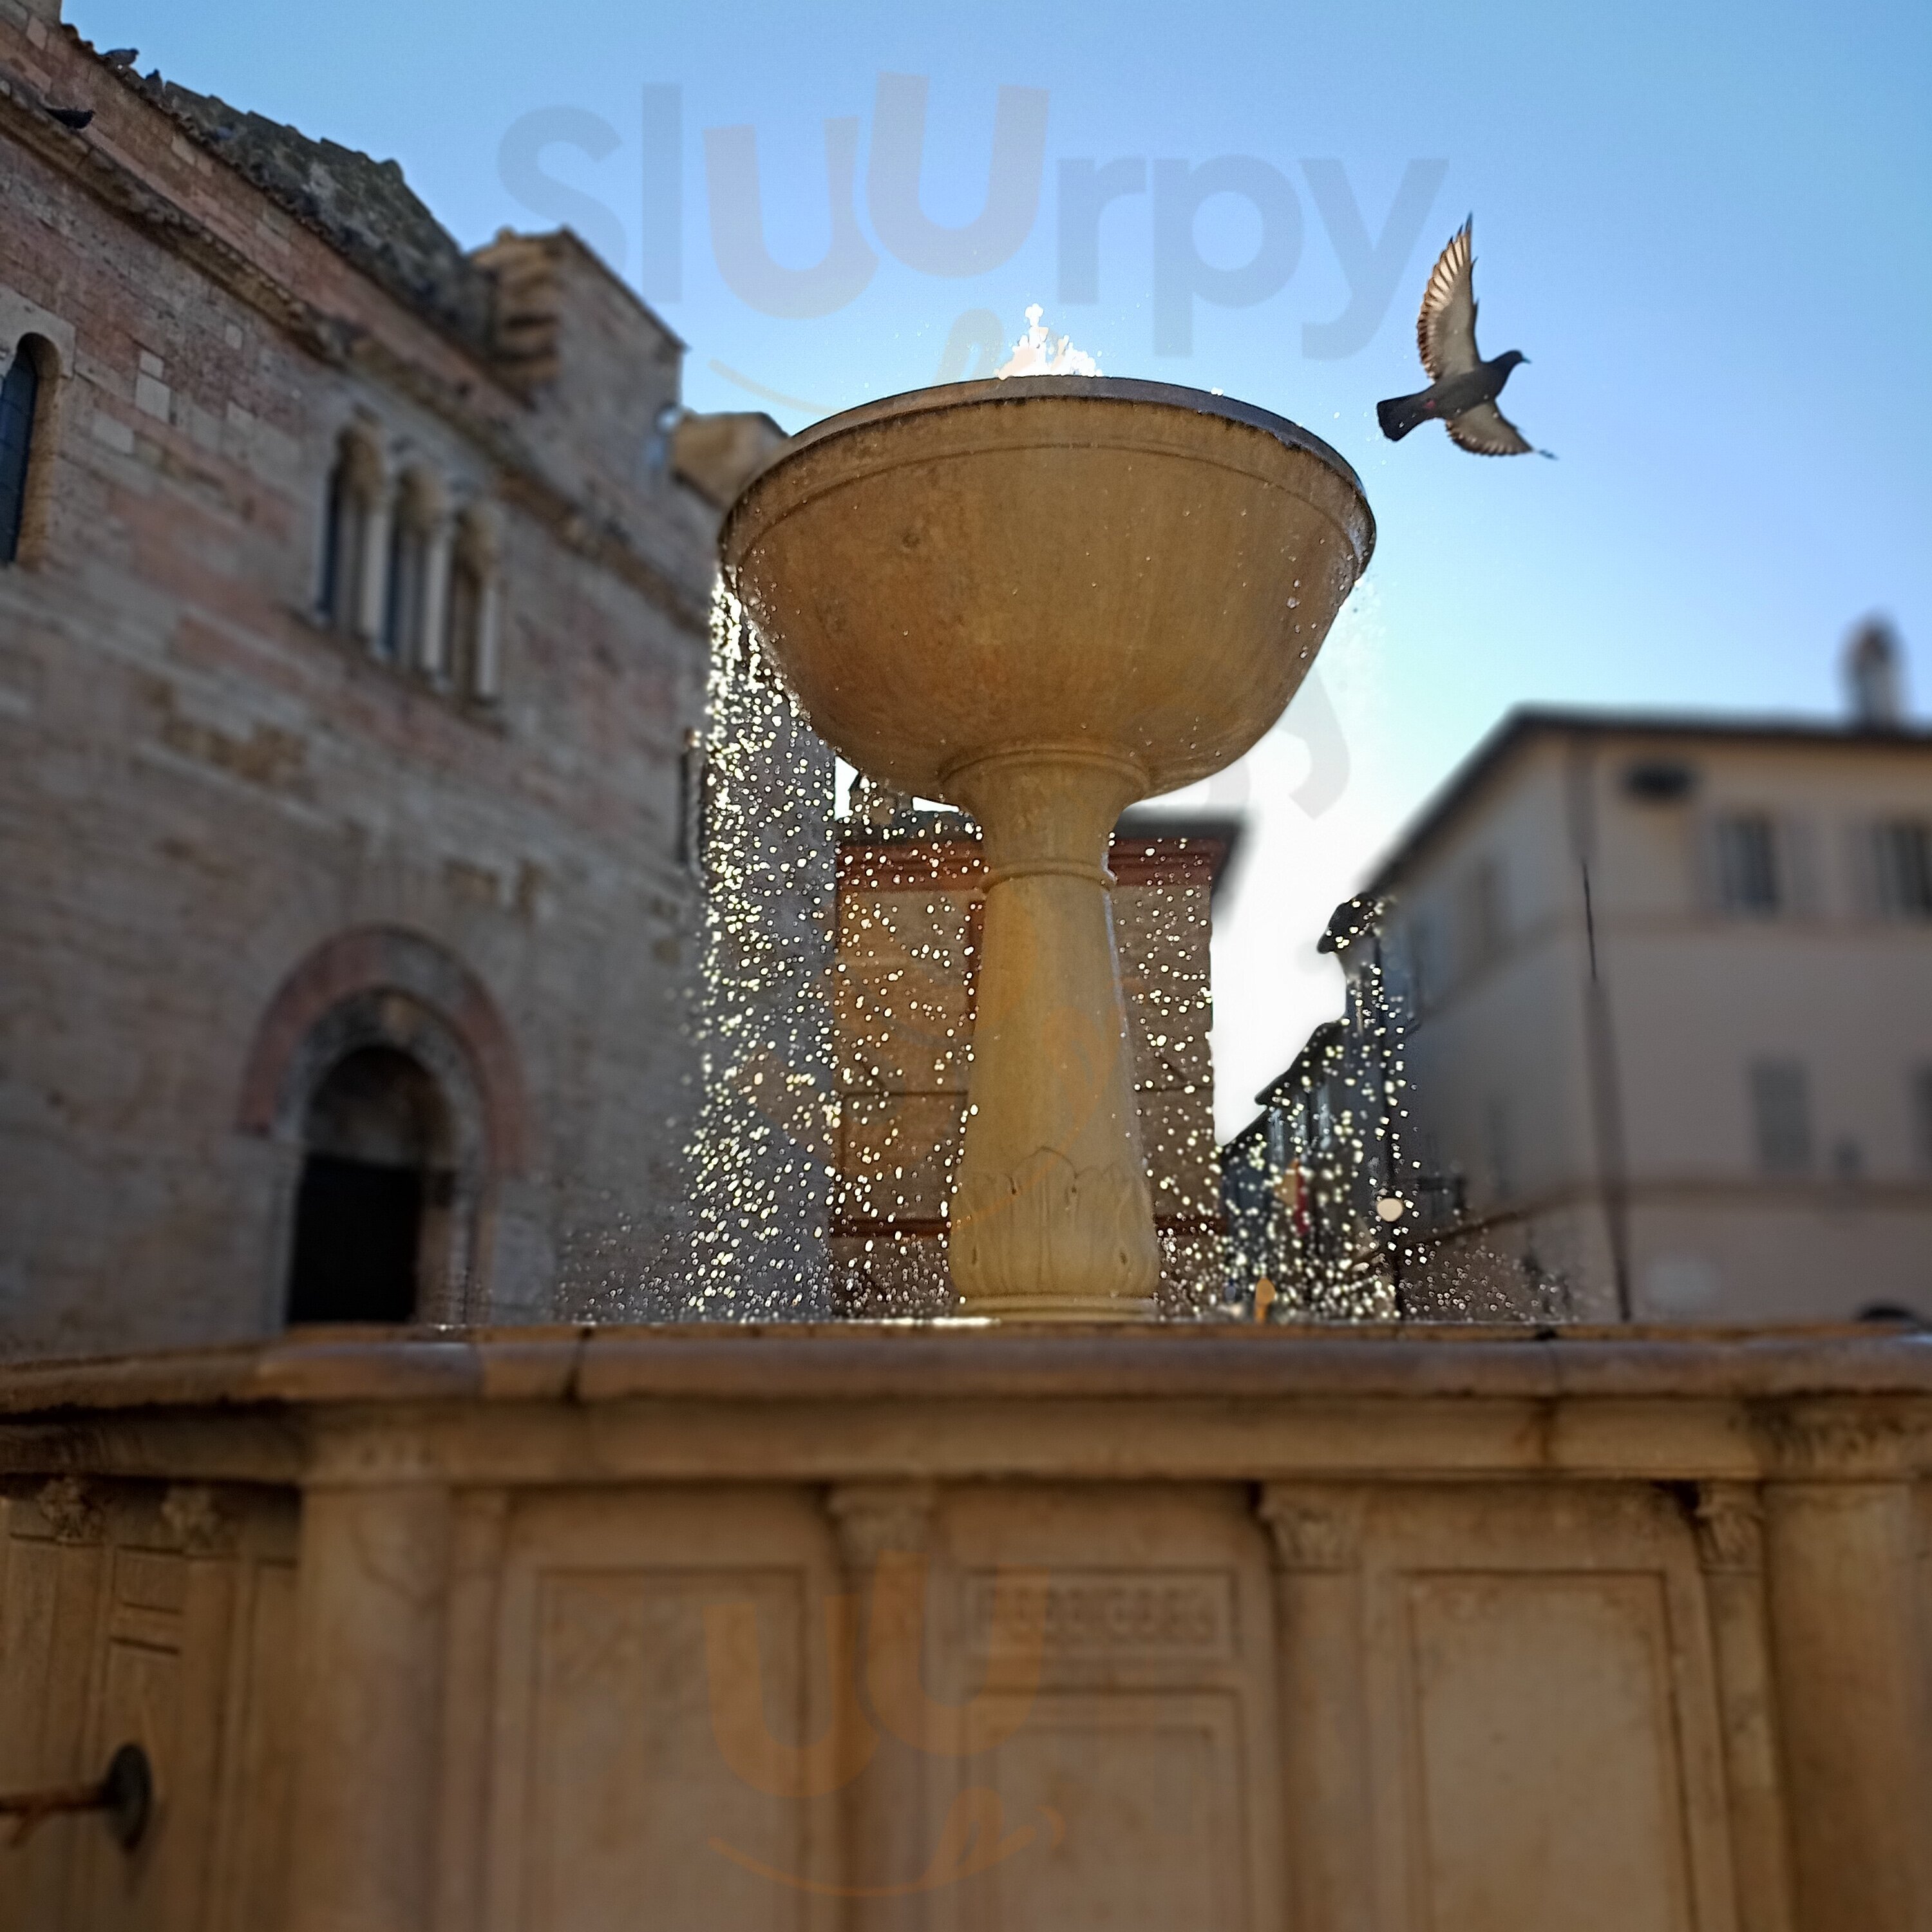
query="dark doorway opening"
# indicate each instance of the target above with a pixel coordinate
(372, 1184)
(359, 1228)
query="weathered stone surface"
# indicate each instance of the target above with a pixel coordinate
(1235, 1627)
(217, 811)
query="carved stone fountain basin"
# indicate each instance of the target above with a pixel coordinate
(1042, 600)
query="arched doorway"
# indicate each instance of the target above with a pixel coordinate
(386, 1077)
(377, 1179)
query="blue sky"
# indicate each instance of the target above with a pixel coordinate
(1709, 227)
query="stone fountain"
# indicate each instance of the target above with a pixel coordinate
(899, 1629)
(1043, 600)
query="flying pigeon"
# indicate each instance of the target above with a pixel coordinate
(122, 57)
(1462, 395)
(75, 118)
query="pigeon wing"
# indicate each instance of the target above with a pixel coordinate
(1488, 432)
(1445, 331)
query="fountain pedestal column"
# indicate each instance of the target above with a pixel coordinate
(1052, 1217)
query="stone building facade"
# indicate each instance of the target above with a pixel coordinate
(1672, 1012)
(1650, 1035)
(351, 625)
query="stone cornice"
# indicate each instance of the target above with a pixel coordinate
(718, 1361)
(854, 1404)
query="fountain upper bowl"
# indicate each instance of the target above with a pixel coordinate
(1132, 568)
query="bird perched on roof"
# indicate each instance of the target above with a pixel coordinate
(122, 57)
(1463, 394)
(75, 118)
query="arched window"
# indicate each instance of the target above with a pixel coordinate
(19, 408)
(349, 528)
(376, 1178)
(397, 642)
(470, 653)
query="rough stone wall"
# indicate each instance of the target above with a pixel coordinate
(201, 788)
(909, 912)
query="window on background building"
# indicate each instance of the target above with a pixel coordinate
(1749, 874)
(1485, 916)
(19, 410)
(1904, 859)
(1682, 1284)
(1499, 1145)
(1424, 946)
(1780, 1096)
(1921, 1116)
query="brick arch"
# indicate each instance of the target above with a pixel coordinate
(369, 961)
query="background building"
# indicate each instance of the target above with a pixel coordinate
(911, 905)
(353, 597)
(1665, 1033)
(1321, 1194)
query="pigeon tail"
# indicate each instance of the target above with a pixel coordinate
(1401, 414)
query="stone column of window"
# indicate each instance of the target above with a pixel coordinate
(885, 1829)
(372, 593)
(1316, 1533)
(482, 539)
(432, 635)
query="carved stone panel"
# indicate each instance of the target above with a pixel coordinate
(127, 1615)
(1131, 1781)
(1119, 1812)
(1546, 1743)
(1120, 1615)
(1547, 1759)
(664, 1747)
